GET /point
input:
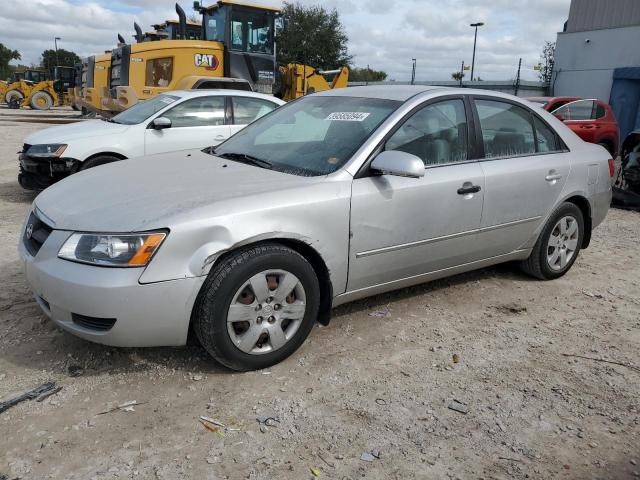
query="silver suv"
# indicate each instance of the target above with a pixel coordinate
(334, 197)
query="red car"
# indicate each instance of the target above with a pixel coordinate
(592, 120)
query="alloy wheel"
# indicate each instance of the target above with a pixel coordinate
(563, 243)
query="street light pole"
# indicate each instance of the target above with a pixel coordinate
(413, 72)
(55, 42)
(475, 40)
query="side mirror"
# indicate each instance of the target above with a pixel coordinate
(399, 164)
(561, 117)
(161, 123)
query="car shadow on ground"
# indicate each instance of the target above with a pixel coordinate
(12, 192)
(35, 342)
(506, 272)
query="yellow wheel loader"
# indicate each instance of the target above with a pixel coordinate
(95, 78)
(237, 43)
(73, 91)
(4, 85)
(297, 80)
(22, 85)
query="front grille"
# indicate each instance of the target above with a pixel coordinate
(93, 323)
(35, 234)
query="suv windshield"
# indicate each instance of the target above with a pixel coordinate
(311, 136)
(143, 110)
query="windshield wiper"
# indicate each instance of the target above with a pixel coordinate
(244, 158)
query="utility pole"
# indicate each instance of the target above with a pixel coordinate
(55, 42)
(413, 72)
(475, 40)
(368, 70)
(518, 78)
(461, 72)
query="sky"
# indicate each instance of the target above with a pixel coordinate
(384, 34)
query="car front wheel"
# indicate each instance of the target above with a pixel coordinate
(257, 307)
(558, 245)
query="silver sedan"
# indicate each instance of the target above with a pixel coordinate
(331, 198)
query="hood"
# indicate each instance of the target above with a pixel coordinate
(153, 191)
(74, 131)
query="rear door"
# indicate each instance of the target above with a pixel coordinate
(247, 109)
(405, 227)
(195, 123)
(525, 166)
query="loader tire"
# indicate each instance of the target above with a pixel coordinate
(41, 101)
(13, 96)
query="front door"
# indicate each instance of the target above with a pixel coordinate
(195, 123)
(405, 227)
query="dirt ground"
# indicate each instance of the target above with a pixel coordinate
(379, 378)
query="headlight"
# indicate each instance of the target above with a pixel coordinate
(53, 150)
(112, 250)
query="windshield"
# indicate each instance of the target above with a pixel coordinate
(143, 110)
(311, 136)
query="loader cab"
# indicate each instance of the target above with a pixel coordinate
(63, 78)
(170, 30)
(248, 34)
(35, 76)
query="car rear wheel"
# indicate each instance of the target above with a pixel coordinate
(257, 307)
(97, 161)
(558, 245)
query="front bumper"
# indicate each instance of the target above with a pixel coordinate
(38, 174)
(146, 315)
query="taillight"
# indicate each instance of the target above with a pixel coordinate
(612, 168)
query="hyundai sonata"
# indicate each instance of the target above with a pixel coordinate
(333, 197)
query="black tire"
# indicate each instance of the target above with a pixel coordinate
(536, 265)
(209, 316)
(97, 161)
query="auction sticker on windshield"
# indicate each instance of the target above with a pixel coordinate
(348, 116)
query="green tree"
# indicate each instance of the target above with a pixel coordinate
(64, 58)
(313, 36)
(366, 75)
(547, 61)
(6, 55)
(457, 76)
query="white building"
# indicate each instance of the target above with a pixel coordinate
(598, 56)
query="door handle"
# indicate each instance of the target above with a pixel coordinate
(466, 190)
(220, 137)
(552, 177)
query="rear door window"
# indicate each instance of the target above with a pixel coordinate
(197, 112)
(547, 139)
(247, 109)
(507, 129)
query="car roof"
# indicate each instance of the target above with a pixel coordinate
(207, 92)
(385, 92)
(405, 92)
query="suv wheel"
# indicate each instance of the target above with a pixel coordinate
(558, 245)
(257, 307)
